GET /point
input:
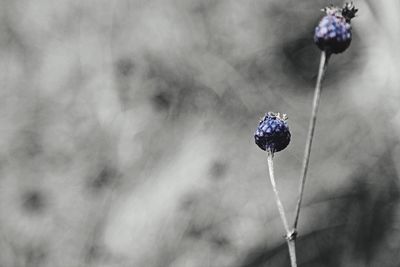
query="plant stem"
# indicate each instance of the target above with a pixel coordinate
(321, 71)
(290, 240)
(292, 251)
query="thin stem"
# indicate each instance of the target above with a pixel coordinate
(292, 251)
(290, 240)
(321, 71)
(277, 198)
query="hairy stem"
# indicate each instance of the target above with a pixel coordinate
(289, 235)
(321, 71)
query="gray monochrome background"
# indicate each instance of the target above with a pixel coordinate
(126, 134)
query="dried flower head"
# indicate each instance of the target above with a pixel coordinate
(333, 33)
(273, 132)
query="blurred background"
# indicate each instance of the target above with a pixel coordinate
(126, 134)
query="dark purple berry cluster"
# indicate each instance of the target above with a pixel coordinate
(333, 33)
(273, 132)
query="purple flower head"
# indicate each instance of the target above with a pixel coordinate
(333, 33)
(273, 132)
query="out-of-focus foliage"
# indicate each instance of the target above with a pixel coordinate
(126, 134)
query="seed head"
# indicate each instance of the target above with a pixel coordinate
(333, 33)
(273, 132)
